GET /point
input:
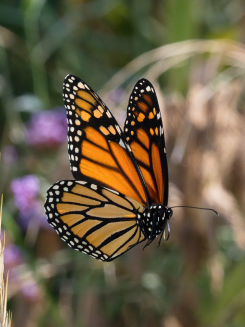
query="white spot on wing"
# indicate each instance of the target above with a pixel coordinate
(118, 129)
(121, 143)
(108, 114)
(113, 191)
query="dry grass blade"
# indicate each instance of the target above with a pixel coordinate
(5, 317)
(167, 56)
(205, 135)
(205, 131)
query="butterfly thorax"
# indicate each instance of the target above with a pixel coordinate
(154, 220)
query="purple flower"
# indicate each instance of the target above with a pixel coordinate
(47, 128)
(26, 198)
(12, 260)
(25, 190)
(12, 256)
(30, 290)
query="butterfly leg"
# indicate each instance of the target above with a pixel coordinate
(163, 232)
(166, 238)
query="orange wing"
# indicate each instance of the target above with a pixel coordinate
(97, 148)
(93, 219)
(144, 134)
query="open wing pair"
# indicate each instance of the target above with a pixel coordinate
(120, 192)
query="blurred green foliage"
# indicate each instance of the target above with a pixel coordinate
(51, 285)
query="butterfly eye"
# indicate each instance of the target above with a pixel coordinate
(170, 212)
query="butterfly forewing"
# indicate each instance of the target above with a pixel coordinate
(93, 219)
(144, 133)
(97, 148)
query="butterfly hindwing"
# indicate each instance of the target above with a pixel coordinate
(97, 148)
(93, 219)
(144, 134)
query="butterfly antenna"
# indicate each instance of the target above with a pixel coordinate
(216, 212)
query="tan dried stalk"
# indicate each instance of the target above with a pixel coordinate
(5, 317)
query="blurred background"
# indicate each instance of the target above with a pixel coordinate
(192, 52)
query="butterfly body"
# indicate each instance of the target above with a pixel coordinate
(154, 221)
(120, 193)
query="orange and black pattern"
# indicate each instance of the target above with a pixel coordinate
(97, 148)
(144, 133)
(120, 192)
(93, 219)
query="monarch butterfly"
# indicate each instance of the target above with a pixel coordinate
(120, 193)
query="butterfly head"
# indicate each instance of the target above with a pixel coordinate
(169, 213)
